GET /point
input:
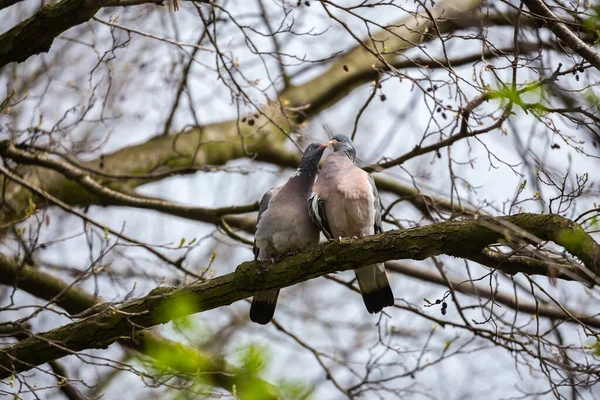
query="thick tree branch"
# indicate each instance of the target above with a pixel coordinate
(213, 368)
(53, 200)
(36, 34)
(460, 239)
(560, 29)
(68, 191)
(219, 143)
(113, 197)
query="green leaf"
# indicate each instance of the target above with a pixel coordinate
(30, 207)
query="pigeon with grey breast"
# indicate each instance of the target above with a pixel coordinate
(284, 226)
(344, 202)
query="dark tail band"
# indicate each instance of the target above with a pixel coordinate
(375, 287)
(377, 300)
(263, 307)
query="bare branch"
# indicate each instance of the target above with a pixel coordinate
(186, 359)
(460, 239)
(470, 288)
(561, 31)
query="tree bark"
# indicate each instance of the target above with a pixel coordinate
(460, 239)
(218, 143)
(211, 368)
(35, 35)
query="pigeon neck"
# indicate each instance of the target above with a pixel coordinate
(308, 167)
(305, 171)
(348, 152)
(302, 180)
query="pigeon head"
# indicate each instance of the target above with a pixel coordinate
(344, 144)
(311, 157)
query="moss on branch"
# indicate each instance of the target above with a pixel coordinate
(36, 34)
(181, 358)
(464, 239)
(218, 143)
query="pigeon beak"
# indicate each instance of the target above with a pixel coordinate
(333, 141)
(324, 146)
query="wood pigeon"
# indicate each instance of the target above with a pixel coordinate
(344, 202)
(283, 225)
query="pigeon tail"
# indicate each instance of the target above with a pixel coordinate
(375, 288)
(263, 306)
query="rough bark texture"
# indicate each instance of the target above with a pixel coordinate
(218, 143)
(36, 34)
(213, 368)
(461, 239)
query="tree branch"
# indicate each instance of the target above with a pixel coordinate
(210, 368)
(460, 239)
(560, 29)
(113, 197)
(36, 34)
(483, 291)
(218, 143)
(176, 263)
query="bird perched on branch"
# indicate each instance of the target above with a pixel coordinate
(344, 202)
(283, 225)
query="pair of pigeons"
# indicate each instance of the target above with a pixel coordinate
(343, 202)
